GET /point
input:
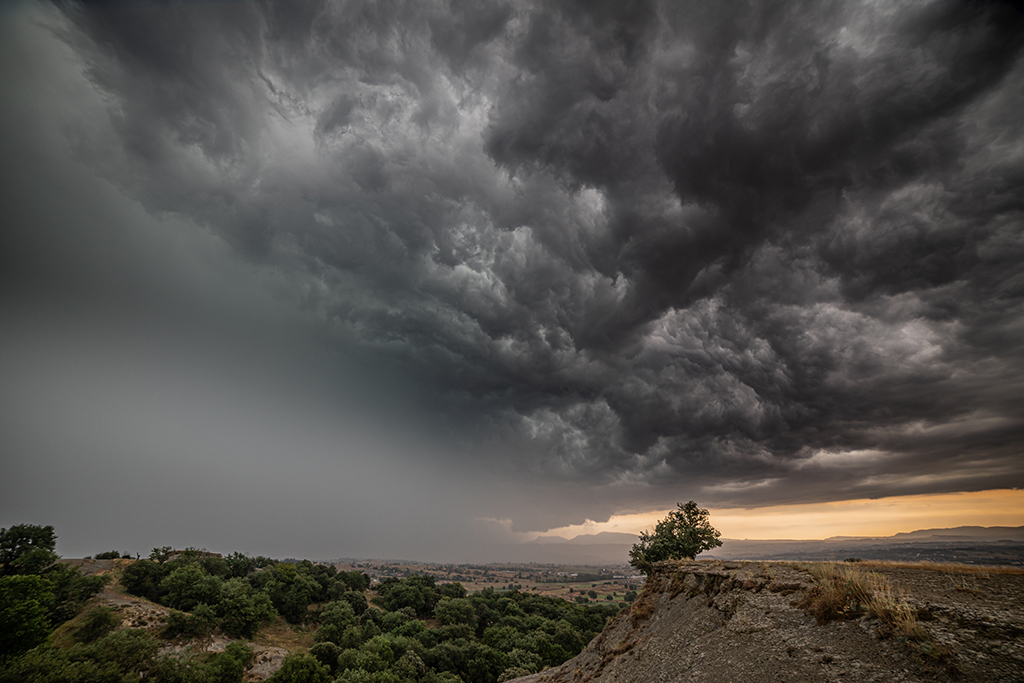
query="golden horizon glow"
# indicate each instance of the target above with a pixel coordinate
(864, 517)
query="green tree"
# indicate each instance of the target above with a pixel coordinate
(242, 608)
(161, 554)
(684, 534)
(454, 611)
(327, 654)
(357, 600)
(24, 606)
(70, 590)
(229, 666)
(108, 555)
(189, 585)
(335, 618)
(143, 578)
(240, 565)
(301, 667)
(26, 549)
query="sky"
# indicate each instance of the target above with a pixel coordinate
(417, 279)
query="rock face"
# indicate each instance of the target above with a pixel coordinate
(736, 622)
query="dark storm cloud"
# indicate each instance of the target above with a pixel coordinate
(751, 253)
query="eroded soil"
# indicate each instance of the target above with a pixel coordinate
(738, 622)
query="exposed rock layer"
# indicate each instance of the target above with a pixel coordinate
(737, 622)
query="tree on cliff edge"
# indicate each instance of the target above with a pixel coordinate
(684, 534)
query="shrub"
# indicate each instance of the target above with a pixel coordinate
(200, 623)
(242, 609)
(357, 600)
(70, 590)
(97, 622)
(143, 578)
(24, 604)
(301, 667)
(229, 666)
(189, 585)
(513, 673)
(130, 649)
(327, 654)
(26, 549)
(451, 611)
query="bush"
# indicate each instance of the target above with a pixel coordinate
(242, 609)
(131, 650)
(301, 667)
(357, 600)
(200, 623)
(229, 666)
(97, 622)
(109, 555)
(26, 549)
(451, 611)
(24, 608)
(70, 590)
(143, 578)
(513, 673)
(327, 654)
(189, 585)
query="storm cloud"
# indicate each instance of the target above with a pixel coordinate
(602, 256)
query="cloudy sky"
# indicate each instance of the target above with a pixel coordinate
(356, 278)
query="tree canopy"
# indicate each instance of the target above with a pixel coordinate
(26, 549)
(684, 534)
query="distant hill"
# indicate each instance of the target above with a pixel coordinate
(968, 544)
(971, 544)
(603, 538)
(974, 533)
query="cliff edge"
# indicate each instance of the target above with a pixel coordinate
(751, 621)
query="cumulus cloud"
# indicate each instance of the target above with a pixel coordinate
(647, 250)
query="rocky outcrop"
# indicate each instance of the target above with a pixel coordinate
(737, 622)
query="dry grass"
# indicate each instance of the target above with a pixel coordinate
(643, 607)
(948, 567)
(845, 591)
(282, 634)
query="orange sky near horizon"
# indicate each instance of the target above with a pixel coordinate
(864, 517)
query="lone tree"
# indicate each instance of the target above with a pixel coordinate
(684, 534)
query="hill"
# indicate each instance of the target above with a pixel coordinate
(967, 544)
(750, 622)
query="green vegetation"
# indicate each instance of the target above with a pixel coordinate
(410, 629)
(124, 656)
(484, 637)
(684, 534)
(36, 593)
(111, 555)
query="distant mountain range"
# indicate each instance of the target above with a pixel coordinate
(1007, 533)
(970, 544)
(603, 538)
